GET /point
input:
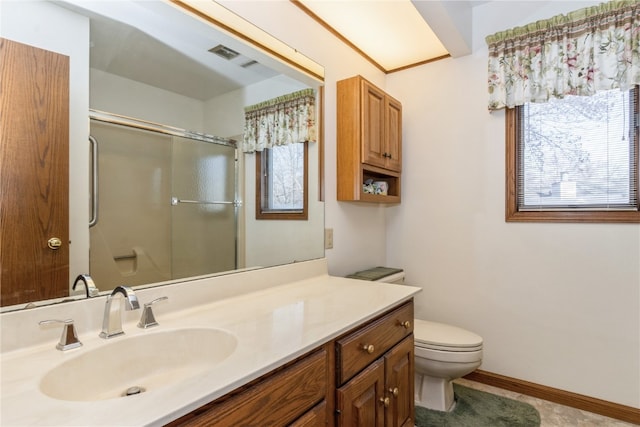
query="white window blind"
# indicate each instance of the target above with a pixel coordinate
(579, 153)
(284, 175)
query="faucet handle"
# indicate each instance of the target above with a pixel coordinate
(69, 338)
(147, 319)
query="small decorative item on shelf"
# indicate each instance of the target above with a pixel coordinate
(377, 187)
(367, 187)
(381, 187)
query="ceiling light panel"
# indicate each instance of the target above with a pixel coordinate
(391, 32)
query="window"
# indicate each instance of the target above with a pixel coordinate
(281, 182)
(574, 159)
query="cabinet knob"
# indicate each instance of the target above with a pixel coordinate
(385, 401)
(394, 391)
(406, 324)
(369, 348)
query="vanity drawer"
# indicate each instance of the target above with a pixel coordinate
(361, 347)
(315, 417)
(279, 399)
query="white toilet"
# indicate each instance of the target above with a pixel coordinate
(443, 353)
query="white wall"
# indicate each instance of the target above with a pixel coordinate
(268, 242)
(115, 94)
(557, 304)
(359, 237)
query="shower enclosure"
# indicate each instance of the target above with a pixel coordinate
(164, 203)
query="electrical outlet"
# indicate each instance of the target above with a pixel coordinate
(328, 238)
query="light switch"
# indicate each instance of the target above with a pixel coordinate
(328, 238)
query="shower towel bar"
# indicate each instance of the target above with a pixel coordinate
(175, 201)
(94, 184)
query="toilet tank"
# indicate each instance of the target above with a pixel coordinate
(397, 278)
(380, 274)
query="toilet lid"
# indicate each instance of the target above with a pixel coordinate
(430, 334)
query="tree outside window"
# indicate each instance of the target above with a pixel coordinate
(574, 159)
(281, 182)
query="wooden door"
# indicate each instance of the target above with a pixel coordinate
(393, 135)
(399, 380)
(34, 173)
(373, 125)
(358, 402)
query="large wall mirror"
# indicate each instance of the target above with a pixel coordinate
(159, 189)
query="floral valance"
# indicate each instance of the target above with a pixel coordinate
(591, 49)
(283, 120)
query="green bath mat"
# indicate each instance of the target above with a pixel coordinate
(476, 408)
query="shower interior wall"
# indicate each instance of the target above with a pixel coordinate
(140, 236)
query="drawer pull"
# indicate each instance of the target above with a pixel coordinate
(368, 348)
(406, 324)
(385, 401)
(394, 391)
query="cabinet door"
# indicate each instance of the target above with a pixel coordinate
(373, 125)
(358, 402)
(393, 134)
(399, 379)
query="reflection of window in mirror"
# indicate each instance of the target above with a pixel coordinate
(281, 182)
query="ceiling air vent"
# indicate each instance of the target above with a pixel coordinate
(224, 52)
(249, 64)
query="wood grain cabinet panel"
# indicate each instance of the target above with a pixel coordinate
(399, 383)
(376, 385)
(277, 400)
(316, 417)
(369, 141)
(359, 403)
(360, 348)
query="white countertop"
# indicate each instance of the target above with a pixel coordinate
(272, 325)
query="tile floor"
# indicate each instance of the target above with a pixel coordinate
(552, 414)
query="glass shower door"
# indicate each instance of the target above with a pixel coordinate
(203, 226)
(131, 241)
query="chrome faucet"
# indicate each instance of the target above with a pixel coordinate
(89, 285)
(112, 322)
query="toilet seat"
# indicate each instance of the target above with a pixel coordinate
(442, 337)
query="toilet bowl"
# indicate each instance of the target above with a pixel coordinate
(443, 353)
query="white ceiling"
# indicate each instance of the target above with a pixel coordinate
(392, 34)
(145, 59)
(397, 34)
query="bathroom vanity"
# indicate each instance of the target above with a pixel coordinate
(302, 393)
(289, 345)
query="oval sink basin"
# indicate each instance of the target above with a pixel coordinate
(128, 366)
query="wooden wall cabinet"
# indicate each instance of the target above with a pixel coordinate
(369, 140)
(363, 378)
